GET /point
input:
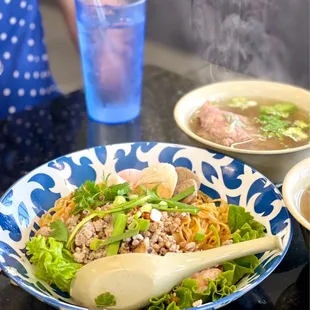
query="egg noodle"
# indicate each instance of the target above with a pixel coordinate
(210, 218)
(213, 216)
(62, 210)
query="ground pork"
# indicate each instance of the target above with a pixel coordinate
(84, 236)
(158, 239)
(45, 231)
(72, 221)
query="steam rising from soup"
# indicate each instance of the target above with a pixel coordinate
(252, 123)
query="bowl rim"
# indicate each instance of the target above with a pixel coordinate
(288, 199)
(63, 305)
(185, 128)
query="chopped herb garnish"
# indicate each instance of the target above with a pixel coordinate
(301, 124)
(242, 103)
(295, 133)
(116, 190)
(105, 300)
(60, 231)
(87, 197)
(283, 109)
(90, 195)
(273, 126)
(98, 243)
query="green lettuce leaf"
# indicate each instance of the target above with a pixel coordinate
(187, 293)
(243, 226)
(237, 269)
(54, 264)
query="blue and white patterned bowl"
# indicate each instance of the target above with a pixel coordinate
(221, 176)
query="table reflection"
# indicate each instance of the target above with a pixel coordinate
(101, 134)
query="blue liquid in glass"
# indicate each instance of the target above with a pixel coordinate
(112, 59)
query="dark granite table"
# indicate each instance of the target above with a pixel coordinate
(37, 135)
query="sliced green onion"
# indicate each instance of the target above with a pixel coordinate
(216, 234)
(118, 229)
(163, 203)
(180, 205)
(200, 236)
(124, 206)
(137, 215)
(133, 197)
(133, 225)
(118, 201)
(146, 208)
(184, 194)
(143, 224)
(193, 211)
(140, 224)
(97, 243)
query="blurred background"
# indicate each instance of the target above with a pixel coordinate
(268, 39)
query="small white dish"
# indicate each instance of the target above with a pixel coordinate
(295, 182)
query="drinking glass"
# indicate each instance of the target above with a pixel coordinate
(111, 37)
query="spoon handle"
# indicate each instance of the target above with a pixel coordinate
(190, 263)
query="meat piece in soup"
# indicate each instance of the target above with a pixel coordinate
(224, 127)
(252, 123)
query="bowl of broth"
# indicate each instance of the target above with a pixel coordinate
(296, 194)
(264, 124)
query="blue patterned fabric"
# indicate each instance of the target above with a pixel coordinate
(25, 79)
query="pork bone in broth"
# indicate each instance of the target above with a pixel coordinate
(252, 123)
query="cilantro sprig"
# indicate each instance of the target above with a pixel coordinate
(105, 300)
(90, 195)
(60, 231)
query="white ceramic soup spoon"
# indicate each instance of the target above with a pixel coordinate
(134, 278)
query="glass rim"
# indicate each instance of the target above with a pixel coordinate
(136, 3)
